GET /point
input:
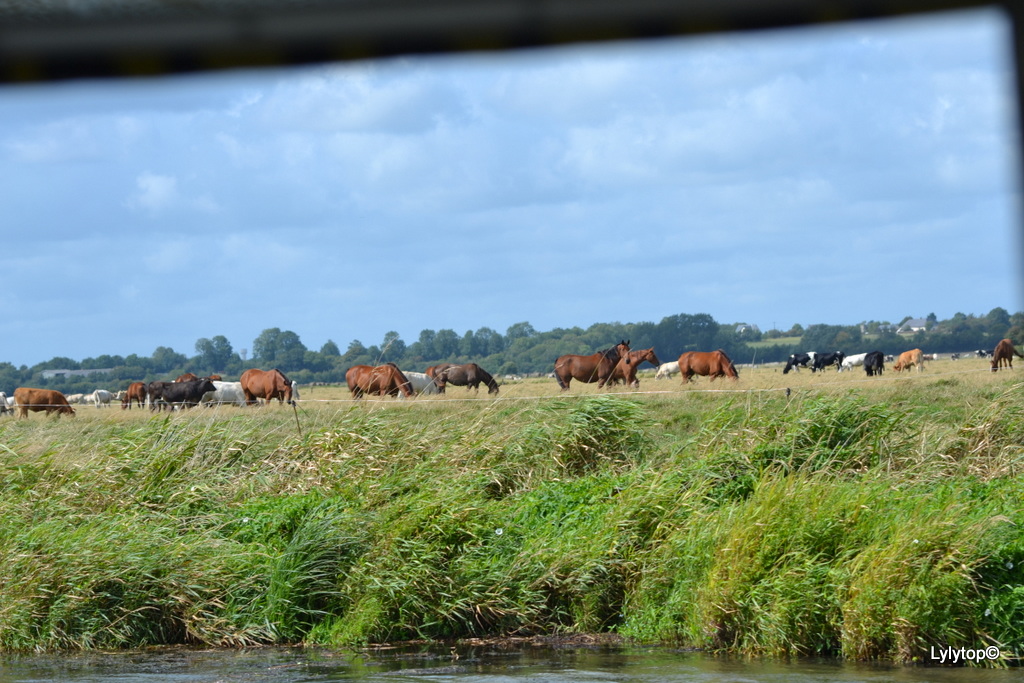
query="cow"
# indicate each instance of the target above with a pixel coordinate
(183, 394)
(874, 363)
(3, 404)
(230, 393)
(854, 361)
(76, 399)
(155, 393)
(798, 360)
(954, 356)
(1003, 354)
(422, 383)
(667, 370)
(981, 353)
(136, 393)
(824, 360)
(45, 400)
(909, 358)
(101, 397)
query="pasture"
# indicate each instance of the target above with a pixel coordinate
(855, 516)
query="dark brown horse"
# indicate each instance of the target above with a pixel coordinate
(596, 367)
(382, 380)
(708, 363)
(469, 375)
(268, 385)
(625, 369)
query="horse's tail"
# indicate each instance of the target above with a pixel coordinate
(558, 377)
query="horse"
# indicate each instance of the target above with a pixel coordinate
(187, 377)
(268, 385)
(382, 380)
(596, 367)
(434, 370)
(1003, 355)
(625, 369)
(708, 363)
(356, 378)
(469, 375)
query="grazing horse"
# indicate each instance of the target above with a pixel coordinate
(268, 385)
(708, 363)
(435, 370)
(187, 377)
(1003, 355)
(136, 392)
(469, 375)
(625, 369)
(383, 380)
(596, 367)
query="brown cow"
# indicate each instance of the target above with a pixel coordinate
(1003, 354)
(708, 363)
(38, 400)
(909, 358)
(136, 392)
(268, 385)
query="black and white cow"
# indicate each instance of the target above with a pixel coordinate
(183, 394)
(824, 360)
(798, 360)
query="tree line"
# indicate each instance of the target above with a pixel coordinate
(521, 350)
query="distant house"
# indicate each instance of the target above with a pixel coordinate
(50, 374)
(913, 326)
(744, 327)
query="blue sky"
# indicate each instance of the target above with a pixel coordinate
(833, 174)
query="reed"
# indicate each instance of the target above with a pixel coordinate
(860, 520)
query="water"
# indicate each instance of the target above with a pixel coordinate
(506, 662)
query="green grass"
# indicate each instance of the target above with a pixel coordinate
(863, 521)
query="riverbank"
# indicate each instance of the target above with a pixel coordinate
(863, 523)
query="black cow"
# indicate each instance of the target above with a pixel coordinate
(874, 363)
(185, 394)
(824, 360)
(796, 360)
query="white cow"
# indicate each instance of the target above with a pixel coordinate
(667, 370)
(3, 403)
(854, 361)
(421, 383)
(101, 397)
(224, 393)
(77, 399)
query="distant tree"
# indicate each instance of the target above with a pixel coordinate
(446, 344)
(356, 354)
(165, 359)
(330, 349)
(523, 330)
(279, 348)
(998, 321)
(392, 348)
(214, 354)
(930, 321)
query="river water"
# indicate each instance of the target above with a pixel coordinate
(501, 663)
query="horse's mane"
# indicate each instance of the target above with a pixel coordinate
(283, 376)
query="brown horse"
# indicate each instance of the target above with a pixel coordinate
(596, 367)
(382, 380)
(268, 385)
(187, 377)
(625, 369)
(708, 363)
(435, 370)
(469, 375)
(136, 392)
(1003, 355)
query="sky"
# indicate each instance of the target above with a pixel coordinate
(832, 174)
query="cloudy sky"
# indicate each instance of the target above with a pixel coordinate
(831, 174)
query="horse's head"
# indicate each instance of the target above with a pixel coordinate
(622, 348)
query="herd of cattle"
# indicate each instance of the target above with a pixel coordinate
(617, 364)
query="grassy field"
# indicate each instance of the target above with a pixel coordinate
(851, 516)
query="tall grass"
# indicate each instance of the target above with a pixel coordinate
(859, 523)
